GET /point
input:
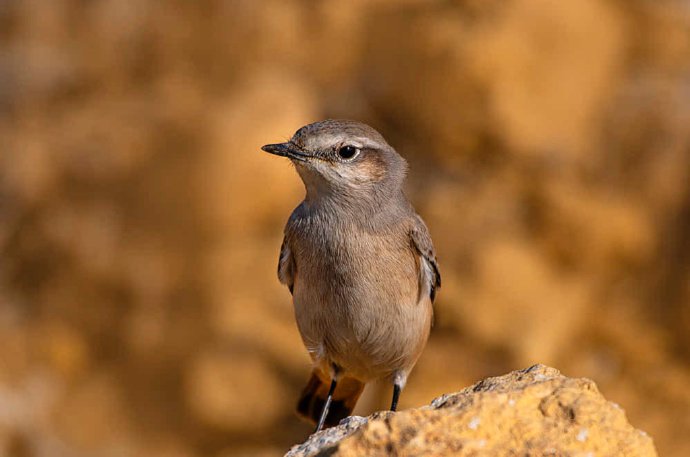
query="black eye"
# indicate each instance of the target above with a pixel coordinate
(348, 152)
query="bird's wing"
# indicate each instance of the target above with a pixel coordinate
(429, 274)
(286, 266)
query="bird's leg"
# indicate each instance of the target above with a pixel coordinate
(396, 396)
(324, 411)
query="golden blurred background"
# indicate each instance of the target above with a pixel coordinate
(140, 313)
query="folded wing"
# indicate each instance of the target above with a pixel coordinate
(429, 274)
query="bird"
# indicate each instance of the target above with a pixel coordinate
(360, 265)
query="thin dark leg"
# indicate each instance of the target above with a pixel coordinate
(324, 411)
(396, 396)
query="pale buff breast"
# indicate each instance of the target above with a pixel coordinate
(357, 302)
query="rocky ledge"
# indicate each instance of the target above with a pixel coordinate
(531, 412)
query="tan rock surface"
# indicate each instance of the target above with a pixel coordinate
(536, 411)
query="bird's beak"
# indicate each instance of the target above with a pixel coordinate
(286, 150)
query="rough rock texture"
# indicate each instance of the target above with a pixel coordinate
(535, 411)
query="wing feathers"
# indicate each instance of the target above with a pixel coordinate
(429, 271)
(286, 266)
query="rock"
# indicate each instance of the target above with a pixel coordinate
(536, 411)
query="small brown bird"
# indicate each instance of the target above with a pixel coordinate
(359, 263)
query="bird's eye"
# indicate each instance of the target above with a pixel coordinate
(348, 152)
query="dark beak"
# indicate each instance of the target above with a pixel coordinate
(285, 150)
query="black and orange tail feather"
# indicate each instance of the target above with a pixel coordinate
(314, 395)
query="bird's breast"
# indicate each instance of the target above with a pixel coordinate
(355, 265)
(356, 297)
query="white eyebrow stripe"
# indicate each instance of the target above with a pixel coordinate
(342, 140)
(361, 142)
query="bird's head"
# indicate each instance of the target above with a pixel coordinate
(342, 158)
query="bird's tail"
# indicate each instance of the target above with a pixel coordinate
(315, 393)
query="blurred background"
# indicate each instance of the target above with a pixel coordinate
(140, 224)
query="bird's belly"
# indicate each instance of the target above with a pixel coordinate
(369, 324)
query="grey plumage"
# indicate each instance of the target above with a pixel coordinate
(358, 260)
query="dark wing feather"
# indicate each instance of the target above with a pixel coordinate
(286, 266)
(421, 240)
